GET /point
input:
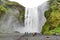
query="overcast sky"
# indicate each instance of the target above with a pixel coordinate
(30, 3)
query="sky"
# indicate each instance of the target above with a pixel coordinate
(30, 3)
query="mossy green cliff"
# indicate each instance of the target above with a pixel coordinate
(5, 5)
(52, 25)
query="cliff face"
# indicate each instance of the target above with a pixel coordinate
(52, 25)
(5, 5)
(11, 16)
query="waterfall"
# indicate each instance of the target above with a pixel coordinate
(31, 19)
(34, 20)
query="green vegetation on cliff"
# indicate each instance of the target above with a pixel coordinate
(52, 25)
(5, 5)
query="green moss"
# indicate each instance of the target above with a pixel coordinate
(3, 11)
(12, 5)
(19, 7)
(52, 15)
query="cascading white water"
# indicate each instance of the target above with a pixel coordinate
(35, 19)
(31, 19)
